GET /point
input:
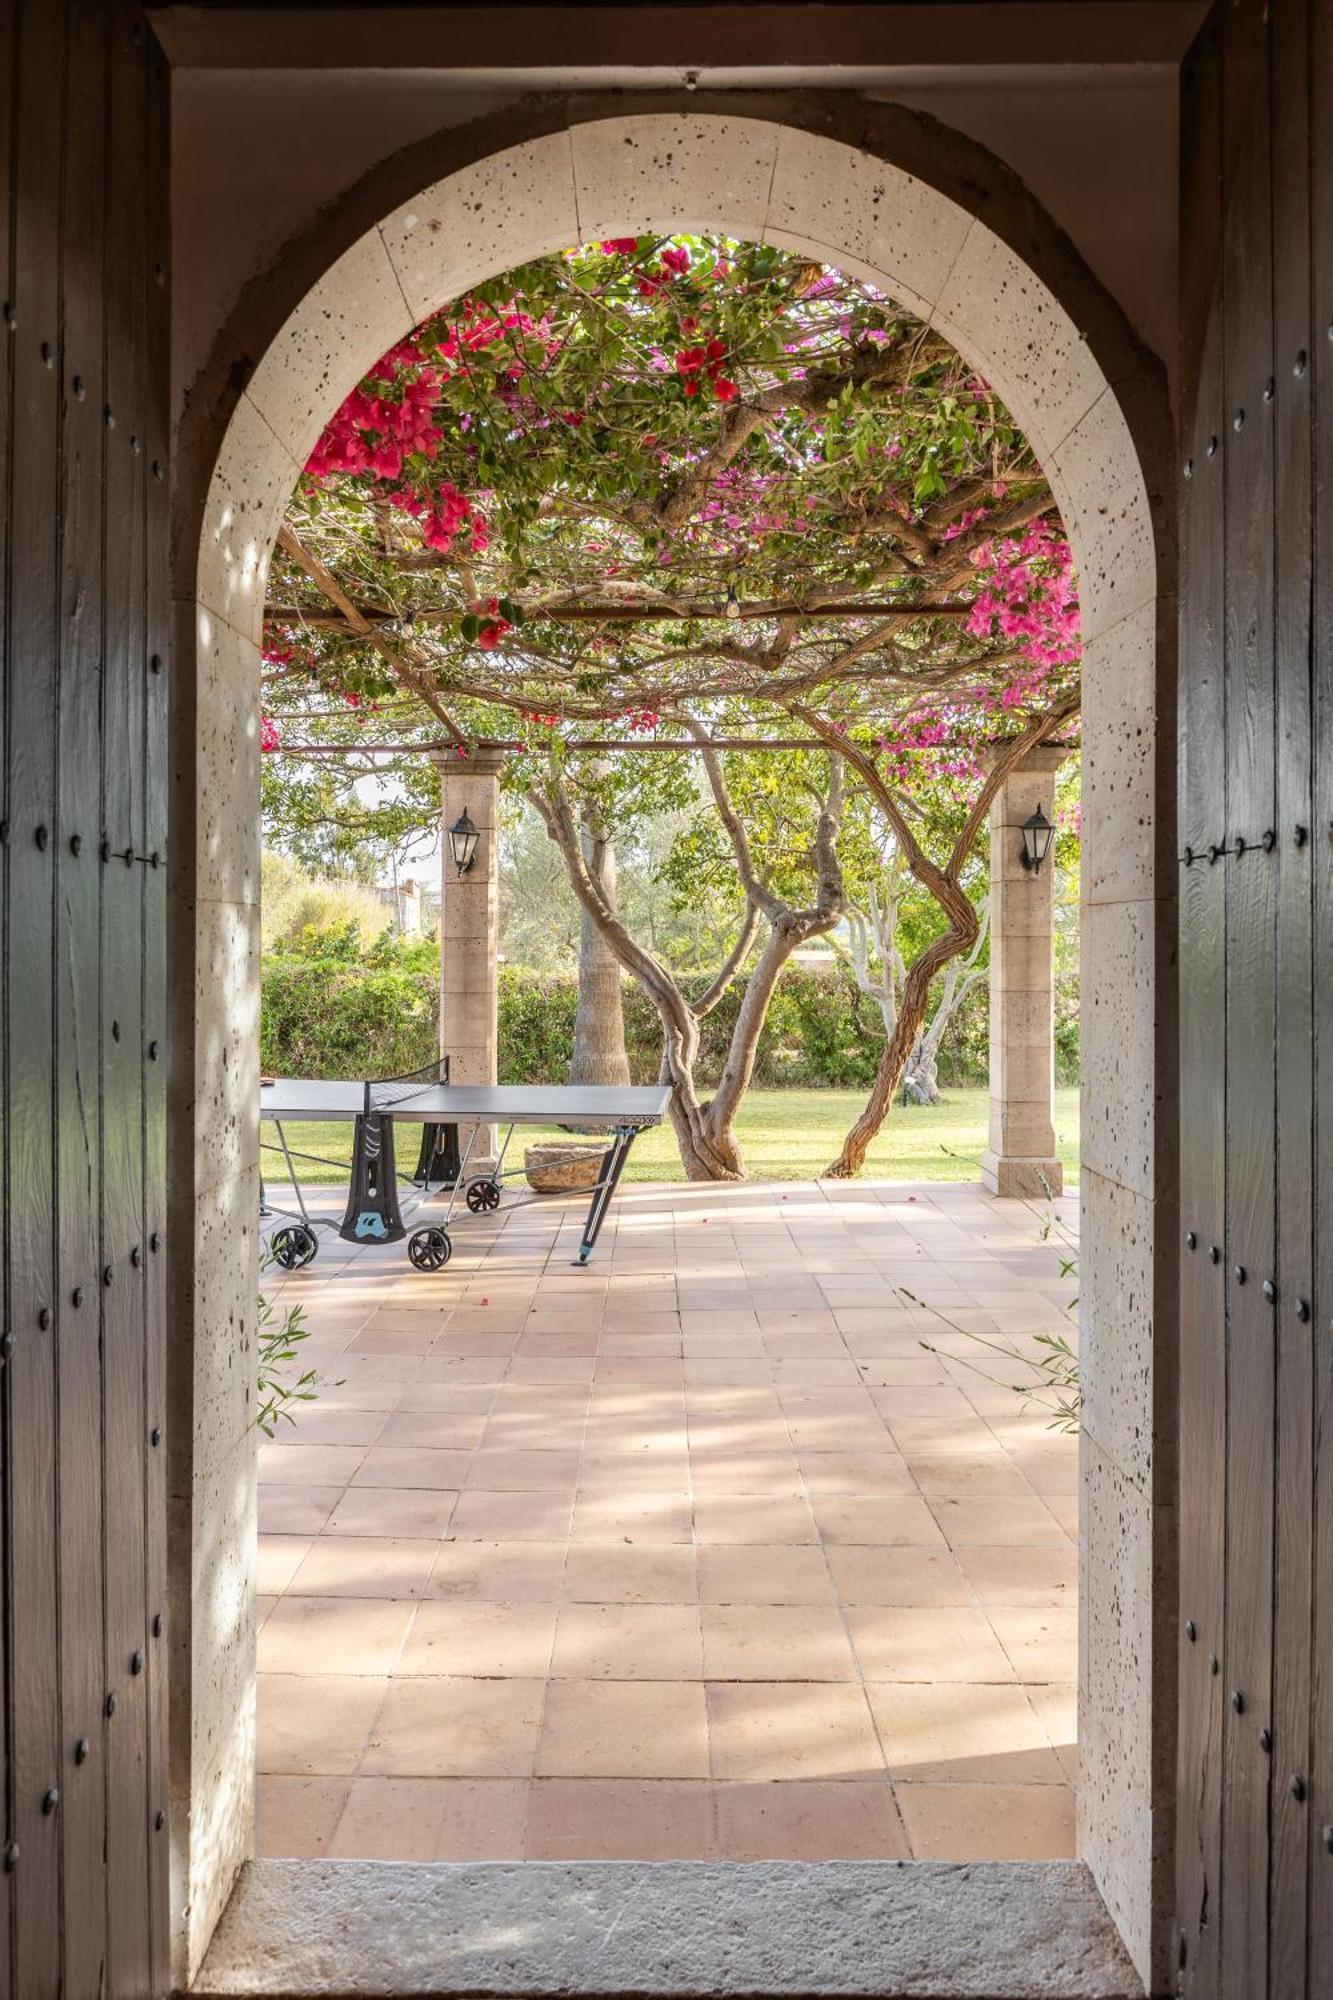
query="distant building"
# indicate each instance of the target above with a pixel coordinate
(405, 901)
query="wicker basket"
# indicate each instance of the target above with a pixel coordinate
(565, 1167)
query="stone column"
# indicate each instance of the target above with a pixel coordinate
(470, 929)
(1020, 1157)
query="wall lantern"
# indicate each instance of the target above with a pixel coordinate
(463, 838)
(1037, 833)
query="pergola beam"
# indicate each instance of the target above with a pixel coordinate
(371, 616)
(598, 743)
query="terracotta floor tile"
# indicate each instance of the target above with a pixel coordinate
(280, 1556)
(751, 1517)
(949, 1734)
(605, 1473)
(739, 1369)
(651, 1517)
(872, 1474)
(766, 1642)
(1064, 1509)
(296, 1510)
(648, 1371)
(511, 1517)
(499, 1572)
(384, 1510)
(902, 1523)
(414, 1466)
(1013, 1524)
(455, 1728)
(562, 1370)
(630, 1573)
(993, 1477)
(620, 1819)
(641, 1321)
(761, 1731)
(374, 1339)
(1021, 1576)
(433, 1819)
(805, 1371)
(896, 1643)
(308, 1464)
(657, 1642)
(1048, 1472)
(479, 1639)
(364, 1566)
(988, 1822)
(523, 1471)
(873, 1575)
(924, 1400)
(1056, 1705)
(333, 1635)
(315, 1724)
(763, 1573)
(521, 1430)
(468, 1386)
(1041, 1641)
(439, 1430)
(320, 1423)
(634, 1441)
(296, 1817)
(624, 1729)
(806, 1820)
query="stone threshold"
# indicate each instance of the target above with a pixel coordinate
(775, 1930)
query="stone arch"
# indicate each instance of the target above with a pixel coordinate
(940, 225)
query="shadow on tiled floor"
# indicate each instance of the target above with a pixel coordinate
(694, 1552)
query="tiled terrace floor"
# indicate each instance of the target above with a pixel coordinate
(692, 1553)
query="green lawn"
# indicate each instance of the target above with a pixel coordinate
(788, 1135)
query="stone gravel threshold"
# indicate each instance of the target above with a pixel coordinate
(776, 1930)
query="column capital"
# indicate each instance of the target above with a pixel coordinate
(483, 760)
(1041, 757)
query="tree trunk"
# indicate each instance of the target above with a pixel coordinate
(907, 1028)
(921, 1077)
(599, 1025)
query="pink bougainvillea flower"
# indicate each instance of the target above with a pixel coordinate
(269, 738)
(619, 246)
(724, 390)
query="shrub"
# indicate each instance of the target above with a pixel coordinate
(344, 1011)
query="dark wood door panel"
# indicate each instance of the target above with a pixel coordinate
(1254, 1870)
(83, 415)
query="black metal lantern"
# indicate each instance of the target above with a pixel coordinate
(732, 607)
(463, 838)
(1037, 833)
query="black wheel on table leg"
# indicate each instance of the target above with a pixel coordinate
(482, 1197)
(294, 1247)
(430, 1249)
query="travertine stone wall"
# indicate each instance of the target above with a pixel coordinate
(1020, 1152)
(822, 180)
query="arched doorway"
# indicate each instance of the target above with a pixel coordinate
(937, 224)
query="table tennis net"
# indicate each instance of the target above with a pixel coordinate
(383, 1093)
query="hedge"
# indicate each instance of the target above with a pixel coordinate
(329, 1017)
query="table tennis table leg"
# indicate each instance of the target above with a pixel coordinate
(292, 1174)
(613, 1165)
(373, 1214)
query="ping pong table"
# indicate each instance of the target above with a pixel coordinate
(374, 1214)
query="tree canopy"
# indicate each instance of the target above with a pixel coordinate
(650, 478)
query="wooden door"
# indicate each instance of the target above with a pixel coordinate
(1255, 1812)
(83, 432)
